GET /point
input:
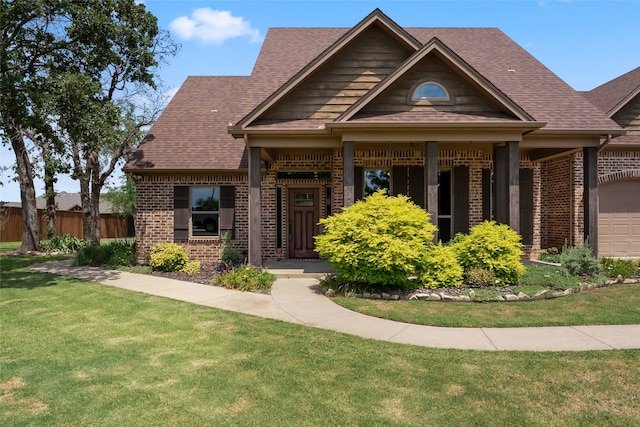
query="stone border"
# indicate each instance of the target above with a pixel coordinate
(444, 297)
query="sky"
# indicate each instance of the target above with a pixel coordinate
(585, 42)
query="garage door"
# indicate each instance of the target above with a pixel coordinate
(619, 219)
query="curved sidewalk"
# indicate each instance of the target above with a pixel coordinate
(298, 300)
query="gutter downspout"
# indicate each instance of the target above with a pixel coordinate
(605, 143)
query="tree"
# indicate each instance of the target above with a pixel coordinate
(114, 45)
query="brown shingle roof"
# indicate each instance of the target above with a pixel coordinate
(609, 96)
(66, 202)
(191, 134)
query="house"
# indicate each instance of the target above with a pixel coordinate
(619, 168)
(463, 120)
(65, 202)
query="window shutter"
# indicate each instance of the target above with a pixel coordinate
(227, 210)
(416, 185)
(358, 183)
(399, 179)
(526, 206)
(180, 214)
(460, 199)
(486, 194)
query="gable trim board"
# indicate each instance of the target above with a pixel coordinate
(275, 121)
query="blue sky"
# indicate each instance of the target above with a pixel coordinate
(586, 43)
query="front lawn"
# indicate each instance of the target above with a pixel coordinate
(79, 353)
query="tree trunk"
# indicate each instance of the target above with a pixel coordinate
(95, 208)
(50, 193)
(30, 223)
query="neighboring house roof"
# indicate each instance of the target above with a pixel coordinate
(65, 202)
(527, 90)
(616, 94)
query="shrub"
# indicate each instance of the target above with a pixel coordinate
(379, 241)
(550, 255)
(480, 277)
(440, 268)
(123, 252)
(168, 257)
(615, 267)
(191, 267)
(228, 255)
(116, 253)
(494, 247)
(246, 278)
(64, 244)
(579, 260)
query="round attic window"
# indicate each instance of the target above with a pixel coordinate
(430, 91)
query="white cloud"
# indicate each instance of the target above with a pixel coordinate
(213, 26)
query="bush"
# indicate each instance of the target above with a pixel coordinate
(480, 277)
(379, 241)
(493, 247)
(618, 267)
(246, 278)
(228, 255)
(168, 257)
(579, 260)
(440, 268)
(550, 255)
(116, 253)
(192, 267)
(64, 244)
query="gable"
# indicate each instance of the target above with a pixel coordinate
(628, 117)
(464, 96)
(342, 80)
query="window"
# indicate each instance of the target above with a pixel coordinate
(376, 179)
(430, 91)
(444, 206)
(205, 211)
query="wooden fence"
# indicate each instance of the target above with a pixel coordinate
(68, 222)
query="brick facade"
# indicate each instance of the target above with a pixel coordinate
(154, 217)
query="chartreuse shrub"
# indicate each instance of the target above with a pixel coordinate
(440, 268)
(493, 247)
(378, 241)
(168, 257)
(246, 278)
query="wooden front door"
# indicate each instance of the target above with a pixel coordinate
(304, 214)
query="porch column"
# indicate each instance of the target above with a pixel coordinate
(348, 173)
(255, 229)
(431, 182)
(506, 159)
(590, 196)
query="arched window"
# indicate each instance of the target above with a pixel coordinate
(430, 91)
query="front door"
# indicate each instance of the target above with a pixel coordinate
(304, 214)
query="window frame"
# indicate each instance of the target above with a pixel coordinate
(412, 99)
(215, 213)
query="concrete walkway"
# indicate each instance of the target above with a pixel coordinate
(295, 298)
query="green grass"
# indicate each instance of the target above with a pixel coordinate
(79, 353)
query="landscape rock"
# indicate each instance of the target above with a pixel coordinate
(511, 297)
(386, 295)
(523, 297)
(330, 293)
(376, 296)
(435, 297)
(366, 295)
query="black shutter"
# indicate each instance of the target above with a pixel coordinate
(227, 210)
(526, 206)
(460, 199)
(358, 183)
(180, 214)
(416, 185)
(486, 194)
(399, 179)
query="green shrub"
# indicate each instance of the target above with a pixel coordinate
(440, 268)
(64, 244)
(480, 277)
(379, 241)
(191, 267)
(123, 252)
(494, 247)
(246, 278)
(550, 255)
(116, 253)
(548, 276)
(93, 255)
(579, 260)
(615, 267)
(168, 257)
(228, 255)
